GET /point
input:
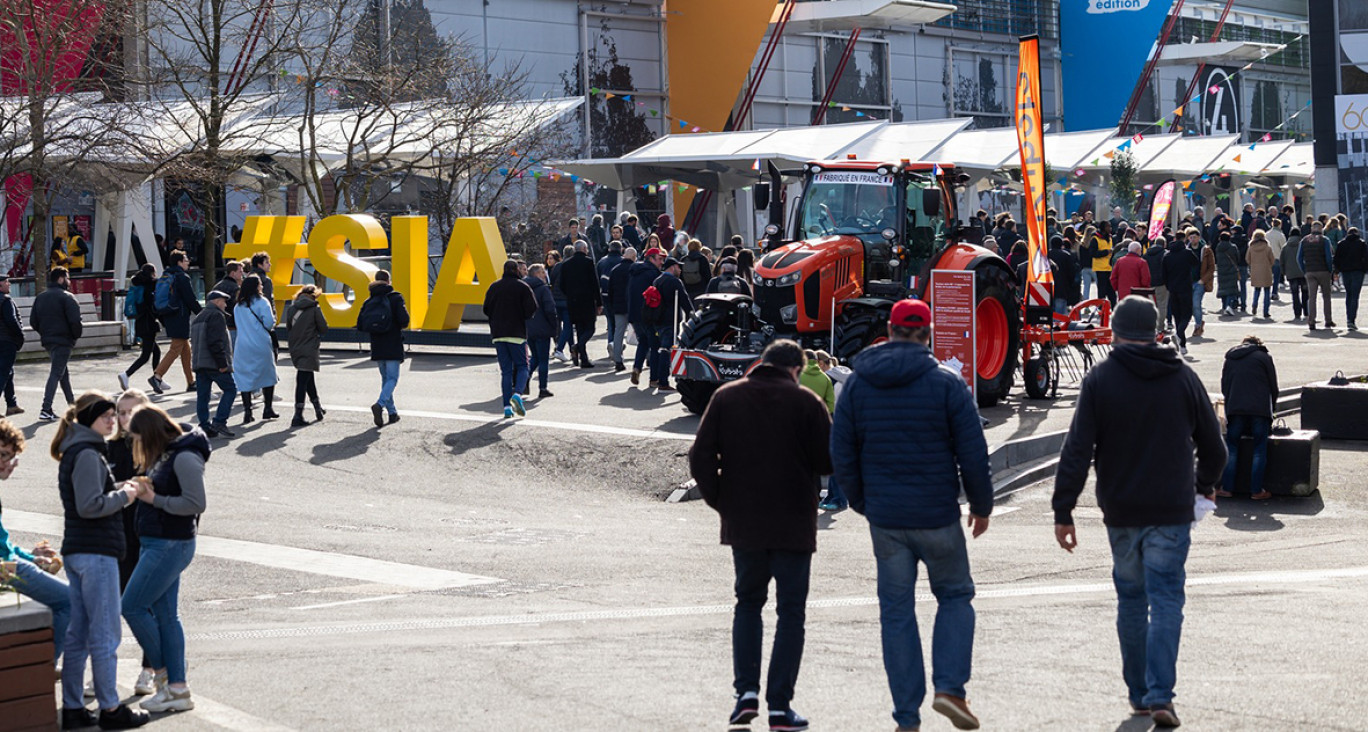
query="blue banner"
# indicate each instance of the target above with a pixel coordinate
(1105, 44)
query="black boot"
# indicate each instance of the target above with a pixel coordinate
(584, 361)
(247, 417)
(268, 399)
(298, 420)
(318, 411)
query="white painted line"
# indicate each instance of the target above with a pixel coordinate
(347, 602)
(1282, 579)
(518, 423)
(206, 710)
(276, 556)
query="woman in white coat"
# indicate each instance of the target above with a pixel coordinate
(253, 355)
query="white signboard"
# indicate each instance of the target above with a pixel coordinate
(854, 178)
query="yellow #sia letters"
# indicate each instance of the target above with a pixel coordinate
(467, 270)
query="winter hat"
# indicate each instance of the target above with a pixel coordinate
(217, 295)
(1135, 318)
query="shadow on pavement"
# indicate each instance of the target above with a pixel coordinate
(1242, 514)
(266, 442)
(345, 448)
(684, 424)
(492, 407)
(476, 438)
(1135, 724)
(635, 398)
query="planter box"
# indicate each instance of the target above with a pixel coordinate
(1337, 412)
(1293, 467)
(27, 677)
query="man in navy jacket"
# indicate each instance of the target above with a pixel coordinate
(906, 436)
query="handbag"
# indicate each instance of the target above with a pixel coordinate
(1281, 429)
(631, 336)
(1339, 379)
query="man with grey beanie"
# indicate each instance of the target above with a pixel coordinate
(1140, 414)
(211, 356)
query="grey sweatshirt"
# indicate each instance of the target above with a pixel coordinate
(189, 467)
(88, 476)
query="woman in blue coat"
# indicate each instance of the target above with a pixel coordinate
(253, 357)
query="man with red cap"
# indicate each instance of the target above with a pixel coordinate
(906, 436)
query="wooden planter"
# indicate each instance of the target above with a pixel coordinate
(26, 672)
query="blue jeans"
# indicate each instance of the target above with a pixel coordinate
(1198, 292)
(151, 600)
(8, 353)
(1148, 572)
(94, 630)
(646, 345)
(1237, 426)
(36, 584)
(1277, 278)
(896, 553)
(1353, 286)
(1267, 297)
(567, 331)
(835, 495)
(1244, 287)
(58, 376)
(1088, 279)
(512, 368)
(660, 360)
(1296, 286)
(1061, 306)
(540, 361)
(205, 380)
(612, 325)
(754, 569)
(389, 378)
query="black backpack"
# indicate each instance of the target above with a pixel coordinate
(377, 315)
(695, 271)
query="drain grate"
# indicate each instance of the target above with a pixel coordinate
(524, 537)
(361, 529)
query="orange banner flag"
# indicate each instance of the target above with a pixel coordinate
(1031, 142)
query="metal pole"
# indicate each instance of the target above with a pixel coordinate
(1149, 69)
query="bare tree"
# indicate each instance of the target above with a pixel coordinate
(57, 68)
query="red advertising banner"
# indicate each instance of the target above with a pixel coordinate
(1159, 208)
(954, 337)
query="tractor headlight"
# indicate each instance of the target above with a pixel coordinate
(771, 230)
(890, 233)
(789, 314)
(756, 279)
(788, 279)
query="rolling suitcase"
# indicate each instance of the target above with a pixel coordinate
(1293, 467)
(1337, 408)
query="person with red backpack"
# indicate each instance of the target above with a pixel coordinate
(673, 306)
(641, 276)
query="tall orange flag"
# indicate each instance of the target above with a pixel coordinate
(1031, 142)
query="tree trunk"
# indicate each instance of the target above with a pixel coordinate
(38, 232)
(209, 255)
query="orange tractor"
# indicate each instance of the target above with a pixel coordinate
(865, 235)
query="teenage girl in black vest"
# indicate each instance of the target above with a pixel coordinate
(172, 456)
(92, 545)
(122, 464)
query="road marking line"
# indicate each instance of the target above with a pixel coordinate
(206, 710)
(474, 419)
(276, 556)
(347, 602)
(1280, 578)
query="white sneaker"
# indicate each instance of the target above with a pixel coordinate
(1183, 350)
(145, 684)
(166, 700)
(559, 356)
(90, 690)
(123, 381)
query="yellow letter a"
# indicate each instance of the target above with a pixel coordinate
(467, 271)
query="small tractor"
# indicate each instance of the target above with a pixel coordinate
(865, 235)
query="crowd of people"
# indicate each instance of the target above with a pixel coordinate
(906, 480)
(539, 311)
(1242, 261)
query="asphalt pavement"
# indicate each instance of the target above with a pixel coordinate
(459, 571)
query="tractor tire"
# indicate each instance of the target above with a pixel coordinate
(997, 315)
(708, 325)
(1038, 377)
(859, 327)
(696, 394)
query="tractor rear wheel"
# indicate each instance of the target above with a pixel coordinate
(708, 325)
(696, 394)
(859, 327)
(997, 318)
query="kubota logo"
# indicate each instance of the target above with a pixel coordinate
(1114, 6)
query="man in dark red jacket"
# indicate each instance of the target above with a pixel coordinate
(769, 514)
(1130, 272)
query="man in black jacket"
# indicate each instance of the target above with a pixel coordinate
(11, 340)
(177, 321)
(1351, 261)
(605, 270)
(212, 357)
(1249, 383)
(508, 304)
(769, 514)
(56, 317)
(387, 346)
(675, 307)
(1180, 261)
(1066, 274)
(580, 283)
(1154, 257)
(615, 301)
(1146, 488)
